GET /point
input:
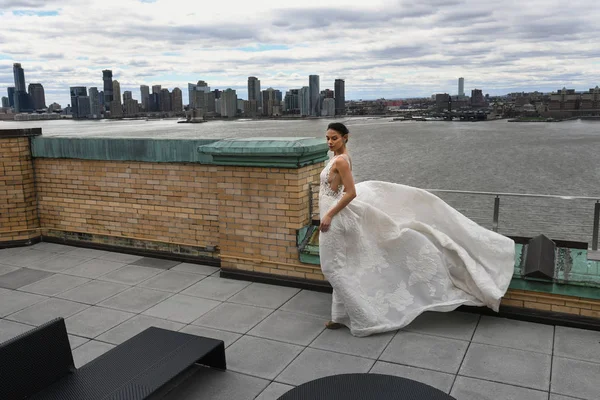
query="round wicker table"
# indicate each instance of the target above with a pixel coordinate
(364, 387)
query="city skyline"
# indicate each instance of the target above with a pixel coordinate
(391, 49)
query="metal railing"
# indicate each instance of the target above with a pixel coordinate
(524, 214)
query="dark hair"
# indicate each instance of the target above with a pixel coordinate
(339, 128)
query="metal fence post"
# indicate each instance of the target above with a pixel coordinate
(496, 212)
(596, 225)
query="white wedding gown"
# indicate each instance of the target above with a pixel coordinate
(396, 251)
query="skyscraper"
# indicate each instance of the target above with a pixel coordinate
(21, 97)
(117, 91)
(197, 95)
(461, 86)
(228, 103)
(94, 102)
(145, 93)
(37, 96)
(165, 100)
(315, 98)
(78, 92)
(127, 95)
(254, 89)
(304, 100)
(108, 86)
(177, 100)
(5, 103)
(340, 96)
(11, 96)
(156, 89)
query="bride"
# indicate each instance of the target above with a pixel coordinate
(392, 251)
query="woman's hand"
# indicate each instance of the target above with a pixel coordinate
(325, 223)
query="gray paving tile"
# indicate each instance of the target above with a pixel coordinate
(94, 268)
(10, 329)
(135, 300)
(130, 274)
(180, 308)
(215, 288)
(289, 327)
(212, 384)
(25, 257)
(511, 366)
(12, 301)
(561, 397)
(233, 317)
(439, 380)
(94, 321)
(195, 268)
(228, 337)
(135, 325)
(83, 252)
(120, 257)
(454, 325)
(575, 378)
(577, 343)
(261, 295)
(274, 391)
(474, 389)
(53, 247)
(58, 263)
(54, 284)
(310, 302)
(260, 357)
(515, 334)
(424, 351)
(22, 277)
(172, 281)
(89, 351)
(92, 292)
(155, 263)
(47, 310)
(313, 364)
(76, 341)
(342, 341)
(11, 251)
(5, 269)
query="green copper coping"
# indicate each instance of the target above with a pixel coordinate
(267, 152)
(261, 152)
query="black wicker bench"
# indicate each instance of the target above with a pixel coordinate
(39, 365)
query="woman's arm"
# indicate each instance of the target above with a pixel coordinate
(343, 169)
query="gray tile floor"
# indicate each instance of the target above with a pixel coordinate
(275, 336)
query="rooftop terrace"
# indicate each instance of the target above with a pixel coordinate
(275, 335)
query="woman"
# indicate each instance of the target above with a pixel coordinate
(392, 251)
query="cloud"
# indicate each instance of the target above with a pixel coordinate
(390, 47)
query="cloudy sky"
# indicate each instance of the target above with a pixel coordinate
(383, 48)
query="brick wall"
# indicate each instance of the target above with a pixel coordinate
(261, 210)
(552, 302)
(18, 208)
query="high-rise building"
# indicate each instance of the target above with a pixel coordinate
(340, 96)
(5, 103)
(108, 86)
(94, 102)
(165, 100)
(254, 89)
(292, 101)
(209, 102)
(328, 109)
(153, 102)
(21, 97)
(176, 100)
(156, 89)
(327, 94)
(131, 106)
(78, 92)
(461, 86)
(11, 96)
(117, 91)
(304, 100)
(145, 93)
(127, 95)
(315, 98)
(37, 96)
(196, 94)
(269, 100)
(477, 99)
(228, 103)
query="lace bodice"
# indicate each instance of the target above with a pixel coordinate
(325, 188)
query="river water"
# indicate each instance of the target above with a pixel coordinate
(492, 156)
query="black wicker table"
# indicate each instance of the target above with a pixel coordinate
(364, 387)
